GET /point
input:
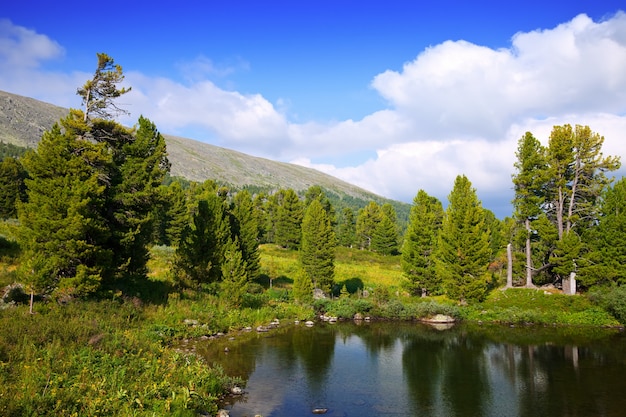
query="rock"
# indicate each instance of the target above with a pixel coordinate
(439, 318)
(358, 317)
(190, 322)
(262, 329)
(236, 390)
(222, 413)
(319, 410)
(309, 323)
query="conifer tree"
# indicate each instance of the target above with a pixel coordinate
(577, 170)
(530, 185)
(235, 279)
(317, 252)
(420, 240)
(12, 187)
(302, 288)
(244, 228)
(463, 250)
(92, 188)
(289, 220)
(385, 237)
(64, 230)
(347, 229)
(366, 222)
(607, 256)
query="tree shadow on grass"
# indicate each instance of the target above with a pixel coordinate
(352, 285)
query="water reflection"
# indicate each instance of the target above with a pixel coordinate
(397, 369)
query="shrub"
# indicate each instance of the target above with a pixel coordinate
(613, 300)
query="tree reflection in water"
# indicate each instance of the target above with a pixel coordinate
(409, 369)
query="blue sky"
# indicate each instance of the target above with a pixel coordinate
(393, 96)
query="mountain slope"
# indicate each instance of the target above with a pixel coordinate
(23, 120)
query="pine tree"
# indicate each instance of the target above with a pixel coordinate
(530, 184)
(607, 258)
(289, 220)
(63, 227)
(302, 288)
(347, 229)
(244, 228)
(420, 240)
(317, 252)
(12, 187)
(385, 237)
(463, 250)
(577, 177)
(366, 222)
(235, 279)
(141, 165)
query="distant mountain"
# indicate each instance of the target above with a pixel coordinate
(23, 120)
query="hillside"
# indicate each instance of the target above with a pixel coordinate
(23, 120)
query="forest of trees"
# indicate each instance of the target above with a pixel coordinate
(95, 196)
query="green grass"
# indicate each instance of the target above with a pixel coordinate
(353, 268)
(522, 306)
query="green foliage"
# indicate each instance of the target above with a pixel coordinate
(201, 248)
(385, 237)
(522, 306)
(234, 275)
(317, 251)
(611, 299)
(98, 93)
(463, 252)
(288, 219)
(420, 240)
(9, 150)
(100, 362)
(366, 222)
(12, 187)
(607, 241)
(244, 227)
(302, 288)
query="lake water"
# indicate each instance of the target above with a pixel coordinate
(409, 369)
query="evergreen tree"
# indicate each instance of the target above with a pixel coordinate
(317, 252)
(101, 90)
(175, 213)
(463, 250)
(347, 229)
(12, 187)
(577, 170)
(63, 228)
(234, 285)
(420, 240)
(140, 167)
(366, 222)
(244, 228)
(288, 220)
(529, 183)
(203, 243)
(607, 257)
(385, 237)
(302, 288)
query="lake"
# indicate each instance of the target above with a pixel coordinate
(413, 369)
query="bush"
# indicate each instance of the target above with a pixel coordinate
(613, 300)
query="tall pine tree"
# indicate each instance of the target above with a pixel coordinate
(317, 252)
(420, 240)
(463, 251)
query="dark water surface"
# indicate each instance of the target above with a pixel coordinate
(402, 369)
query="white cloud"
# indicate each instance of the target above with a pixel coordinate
(22, 47)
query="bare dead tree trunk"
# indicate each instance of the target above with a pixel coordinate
(509, 267)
